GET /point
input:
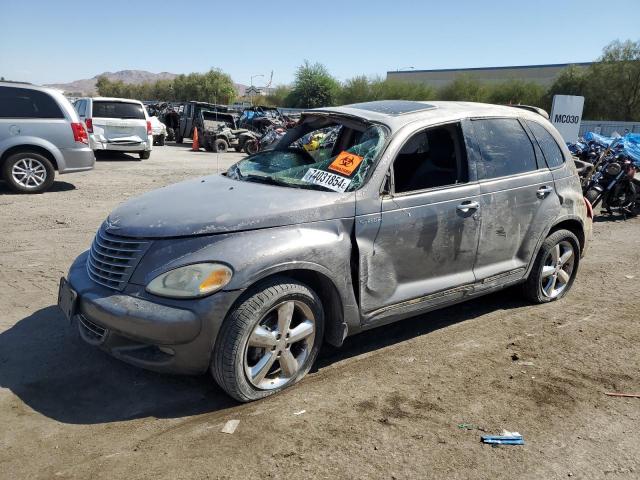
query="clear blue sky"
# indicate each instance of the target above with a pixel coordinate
(46, 41)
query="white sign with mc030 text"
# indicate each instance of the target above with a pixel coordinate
(566, 114)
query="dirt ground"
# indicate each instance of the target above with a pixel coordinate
(389, 404)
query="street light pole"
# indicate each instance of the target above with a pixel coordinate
(251, 87)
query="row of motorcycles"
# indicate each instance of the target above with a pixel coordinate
(608, 173)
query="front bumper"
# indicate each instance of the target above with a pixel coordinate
(175, 336)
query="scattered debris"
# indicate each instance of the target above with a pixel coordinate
(515, 357)
(511, 438)
(616, 394)
(300, 412)
(629, 276)
(230, 426)
(466, 426)
(526, 364)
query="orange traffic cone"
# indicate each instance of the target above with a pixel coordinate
(196, 145)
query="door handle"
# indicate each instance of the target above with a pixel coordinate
(544, 191)
(464, 207)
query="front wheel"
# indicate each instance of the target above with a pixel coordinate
(251, 147)
(555, 268)
(145, 155)
(269, 341)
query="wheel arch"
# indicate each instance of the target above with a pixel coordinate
(335, 326)
(575, 226)
(30, 148)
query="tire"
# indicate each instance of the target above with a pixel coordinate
(162, 140)
(592, 195)
(538, 287)
(38, 172)
(234, 357)
(208, 146)
(251, 147)
(145, 155)
(179, 138)
(220, 146)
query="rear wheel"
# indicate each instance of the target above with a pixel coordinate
(28, 172)
(269, 341)
(220, 145)
(593, 196)
(555, 268)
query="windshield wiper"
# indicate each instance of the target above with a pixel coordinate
(265, 179)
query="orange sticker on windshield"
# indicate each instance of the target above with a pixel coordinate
(346, 163)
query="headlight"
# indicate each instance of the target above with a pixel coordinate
(191, 281)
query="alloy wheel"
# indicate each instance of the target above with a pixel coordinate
(279, 345)
(29, 173)
(557, 269)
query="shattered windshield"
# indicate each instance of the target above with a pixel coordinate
(322, 155)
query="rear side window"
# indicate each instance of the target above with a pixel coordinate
(81, 106)
(550, 149)
(104, 109)
(27, 103)
(505, 148)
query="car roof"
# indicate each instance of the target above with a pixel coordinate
(30, 86)
(397, 113)
(113, 99)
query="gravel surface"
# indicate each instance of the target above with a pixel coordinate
(389, 404)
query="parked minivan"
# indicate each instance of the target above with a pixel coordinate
(117, 124)
(411, 207)
(40, 133)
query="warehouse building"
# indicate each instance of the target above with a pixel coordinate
(540, 74)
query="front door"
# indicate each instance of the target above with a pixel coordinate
(424, 238)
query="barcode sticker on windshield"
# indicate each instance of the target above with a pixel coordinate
(326, 179)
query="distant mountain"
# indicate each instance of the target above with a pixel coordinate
(88, 85)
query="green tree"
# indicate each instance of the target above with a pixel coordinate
(512, 92)
(464, 88)
(613, 83)
(313, 87)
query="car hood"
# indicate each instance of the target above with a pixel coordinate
(217, 204)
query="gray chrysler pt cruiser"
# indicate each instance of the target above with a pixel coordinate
(360, 216)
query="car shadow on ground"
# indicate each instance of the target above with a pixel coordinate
(112, 156)
(47, 366)
(57, 186)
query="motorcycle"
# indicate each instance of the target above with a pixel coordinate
(613, 183)
(270, 138)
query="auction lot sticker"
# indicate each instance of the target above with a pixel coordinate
(346, 163)
(326, 179)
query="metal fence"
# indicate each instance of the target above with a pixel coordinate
(608, 127)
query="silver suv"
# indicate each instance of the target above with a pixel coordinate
(40, 132)
(360, 216)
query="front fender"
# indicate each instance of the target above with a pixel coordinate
(26, 141)
(323, 247)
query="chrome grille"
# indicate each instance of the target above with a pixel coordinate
(112, 258)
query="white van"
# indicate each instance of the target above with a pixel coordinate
(118, 124)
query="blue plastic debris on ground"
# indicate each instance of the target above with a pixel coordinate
(503, 439)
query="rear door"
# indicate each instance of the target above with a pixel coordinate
(119, 122)
(517, 198)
